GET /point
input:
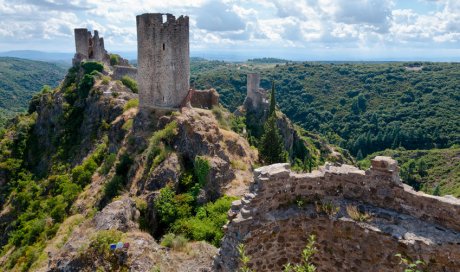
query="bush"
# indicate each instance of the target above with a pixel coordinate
(101, 240)
(85, 85)
(159, 143)
(201, 169)
(132, 103)
(108, 163)
(176, 242)
(90, 66)
(114, 59)
(130, 83)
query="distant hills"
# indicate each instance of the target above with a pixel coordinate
(20, 79)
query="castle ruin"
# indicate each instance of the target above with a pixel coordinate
(163, 60)
(283, 208)
(89, 47)
(255, 96)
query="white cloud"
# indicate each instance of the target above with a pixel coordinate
(243, 24)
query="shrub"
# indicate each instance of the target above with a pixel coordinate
(85, 85)
(244, 259)
(108, 163)
(114, 59)
(90, 66)
(158, 144)
(410, 266)
(130, 83)
(106, 80)
(307, 254)
(101, 240)
(176, 242)
(201, 169)
(132, 103)
(356, 215)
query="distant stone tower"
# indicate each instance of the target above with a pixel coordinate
(163, 57)
(255, 96)
(89, 47)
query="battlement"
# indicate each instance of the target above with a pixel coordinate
(274, 227)
(89, 47)
(163, 60)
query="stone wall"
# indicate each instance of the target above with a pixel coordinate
(121, 71)
(204, 99)
(88, 47)
(163, 60)
(283, 208)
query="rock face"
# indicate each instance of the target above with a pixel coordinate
(274, 225)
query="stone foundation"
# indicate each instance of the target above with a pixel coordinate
(276, 218)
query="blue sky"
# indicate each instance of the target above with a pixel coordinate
(294, 29)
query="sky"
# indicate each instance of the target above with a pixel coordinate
(291, 29)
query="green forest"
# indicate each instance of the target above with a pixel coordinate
(363, 107)
(20, 79)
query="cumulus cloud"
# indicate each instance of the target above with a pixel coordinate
(228, 24)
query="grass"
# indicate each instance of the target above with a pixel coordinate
(326, 207)
(356, 215)
(132, 103)
(130, 83)
(173, 241)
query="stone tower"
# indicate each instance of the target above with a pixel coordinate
(88, 47)
(163, 57)
(255, 96)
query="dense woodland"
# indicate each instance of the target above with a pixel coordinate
(362, 107)
(20, 79)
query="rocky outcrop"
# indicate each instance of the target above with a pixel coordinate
(283, 208)
(120, 215)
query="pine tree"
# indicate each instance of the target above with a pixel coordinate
(271, 143)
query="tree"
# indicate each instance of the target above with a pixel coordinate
(272, 100)
(271, 143)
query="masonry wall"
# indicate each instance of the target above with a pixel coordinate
(163, 60)
(274, 228)
(121, 71)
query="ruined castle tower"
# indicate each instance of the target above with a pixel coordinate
(163, 60)
(89, 47)
(255, 97)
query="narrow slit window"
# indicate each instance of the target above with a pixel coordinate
(164, 47)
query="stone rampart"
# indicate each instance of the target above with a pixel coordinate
(283, 208)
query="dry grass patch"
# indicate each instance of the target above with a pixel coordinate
(356, 215)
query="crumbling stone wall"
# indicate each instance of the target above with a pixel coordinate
(163, 60)
(204, 99)
(88, 47)
(255, 96)
(274, 227)
(121, 71)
